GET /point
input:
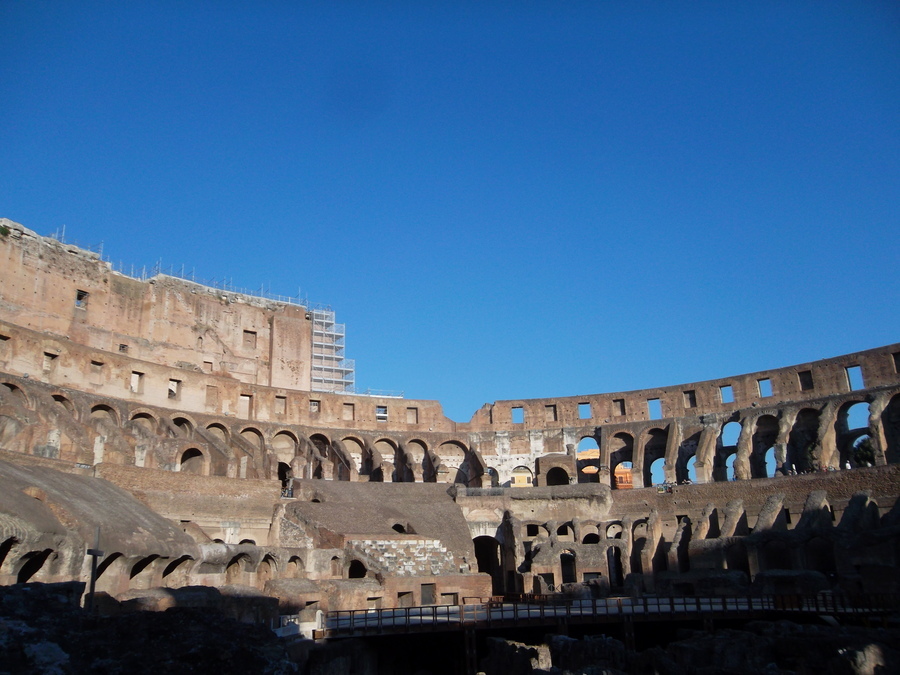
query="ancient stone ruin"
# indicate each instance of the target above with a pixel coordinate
(175, 436)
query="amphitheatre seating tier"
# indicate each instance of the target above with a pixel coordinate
(50, 501)
(374, 510)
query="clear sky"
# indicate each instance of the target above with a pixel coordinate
(500, 199)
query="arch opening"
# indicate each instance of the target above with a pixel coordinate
(557, 476)
(487, 555)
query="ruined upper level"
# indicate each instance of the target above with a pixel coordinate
(62, 290)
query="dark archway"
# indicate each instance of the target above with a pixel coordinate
(192, 462)
(567, 567)
(621, 453)
(820, 555)
(655, 449)
(357, 570)
(777, 556)
(285, 475)
(557, 476)
(803, 441)
(764, 437)
(33, 562)
(614, 560)
(487, 554)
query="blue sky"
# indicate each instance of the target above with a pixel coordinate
(500, 200)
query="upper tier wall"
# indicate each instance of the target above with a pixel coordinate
(63, 362)
(66, 291)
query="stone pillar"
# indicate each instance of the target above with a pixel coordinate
(605, 473)
(673, 446)
(876, 426)
(706, 450)
(637, 460)
(785, 424)
(744, 446)
(827, 454)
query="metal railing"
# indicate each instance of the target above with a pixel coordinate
(543, 609)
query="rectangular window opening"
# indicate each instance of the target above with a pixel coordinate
(690, 399)
(208, 366)
(619, 407)
(212, 396)
(280, 405)
(584, 411)
(174, 389)
(549, 413)
(50, 360)
(532, 530)
(654, 407)
(250, 339)
(81, 298)
(726, 393)
(518, 415)
(137, 382)
(428, 594)
(349, 412)
(449, 598)
(855, 378)
(805, 378)
(381, 413)
(245, 406)
(765, 387)
(123, 349)
(315, 407)
(412, 415)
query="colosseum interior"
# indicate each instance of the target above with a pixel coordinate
(173, 436)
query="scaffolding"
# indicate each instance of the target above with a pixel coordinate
(330, 371)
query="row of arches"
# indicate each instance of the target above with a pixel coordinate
(251, 451)
(836, 437)
(843, 434)
(118, 572)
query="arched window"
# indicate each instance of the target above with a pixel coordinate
(192, 461)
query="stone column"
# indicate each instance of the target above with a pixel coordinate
(827, 453)
(744, 446)
(673, 445)
(706, 450)
(876, 426)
